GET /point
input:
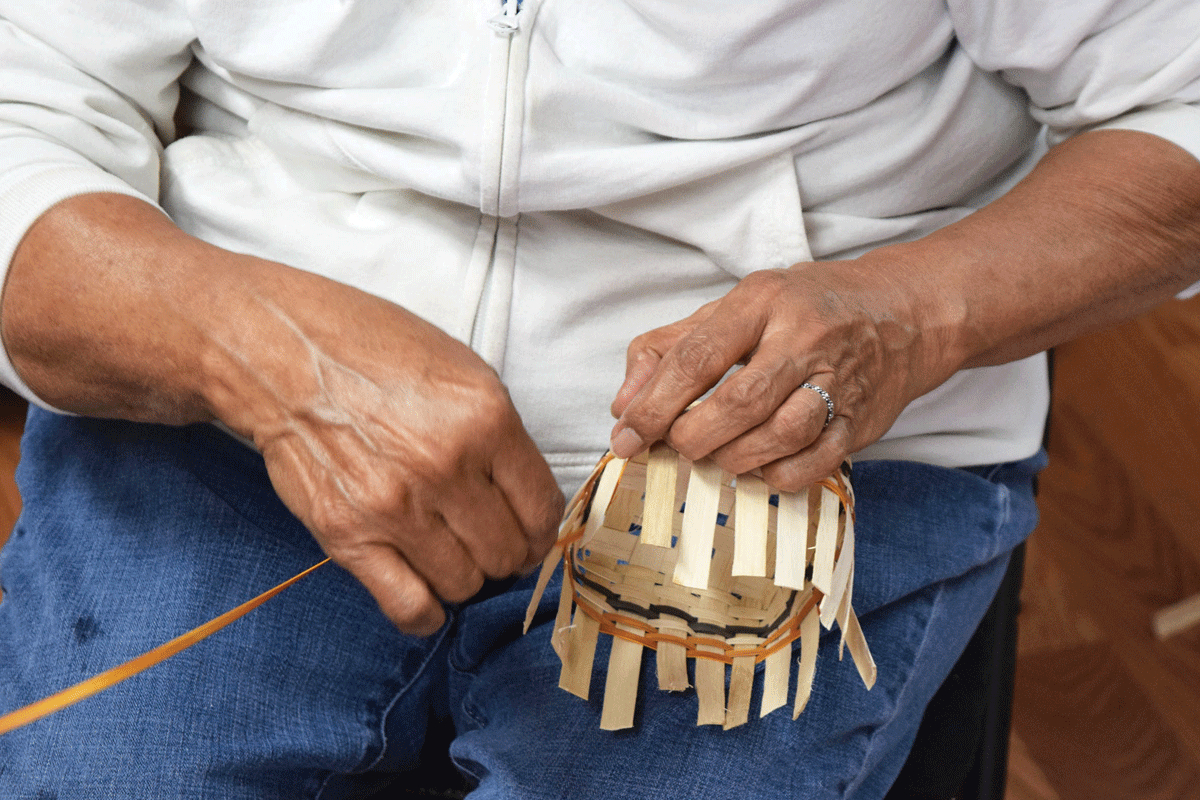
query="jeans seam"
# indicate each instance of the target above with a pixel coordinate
(895, 714)
(1003, 517)
(471, 710)
(362, 767)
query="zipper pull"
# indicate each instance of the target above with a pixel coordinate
(506, 23)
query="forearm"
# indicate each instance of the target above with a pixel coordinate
(1106, 226)
(111, 310)
(105, 307)
(395, 444)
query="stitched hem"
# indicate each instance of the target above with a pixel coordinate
(381, 724)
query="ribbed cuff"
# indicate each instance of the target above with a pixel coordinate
(25, 195)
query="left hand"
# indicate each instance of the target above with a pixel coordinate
(860, 330)
(1106, 226)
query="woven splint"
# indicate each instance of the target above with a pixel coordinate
(683, 558)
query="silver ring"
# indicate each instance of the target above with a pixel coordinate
(828, 402)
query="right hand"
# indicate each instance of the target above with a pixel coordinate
(392, 442)
(395, 444)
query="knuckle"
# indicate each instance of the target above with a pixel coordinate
(852, 397)
(746, 453)
(641, 345)
(416, 610)
(541, 530)
(545, 529)
(355, 556)
(334, 518)
(496, 402)
(791, 474)
(770, 280)
(648, 422)
(838, 442)
(502, 562)
(794, 474)
(464, 588)
(442, 463)
(379, 494)
(763, 284)
(696, 358)
(784, 479)
(733, 464)
(491, 413)
(687, 449)
(794, 425)
(686, 441)
(749, 391)
(538, 550)
(477, 398)
(825, 464)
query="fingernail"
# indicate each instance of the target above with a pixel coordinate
(626, 443)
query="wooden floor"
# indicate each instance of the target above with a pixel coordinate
(1104, 711)
(12, 420)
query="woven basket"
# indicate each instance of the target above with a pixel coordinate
(685, 559)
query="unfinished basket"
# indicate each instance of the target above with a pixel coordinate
(690, 561)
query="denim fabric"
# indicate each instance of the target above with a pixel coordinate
(133, 534)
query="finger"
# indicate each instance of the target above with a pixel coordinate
(645, 353)
(746, 400)
(402, 594)
(359, 528)
(521, 474)
(792, 427)
(438, 555)
(488, 529)
(639, 368)
(379, 510)
(817, 461)
(690, 368)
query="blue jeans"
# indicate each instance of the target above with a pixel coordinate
(132, 534)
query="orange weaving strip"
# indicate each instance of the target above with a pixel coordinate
(837, 485)
(776, 641)
(96, 684)
(609, 621)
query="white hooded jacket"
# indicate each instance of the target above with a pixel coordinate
(545, 182)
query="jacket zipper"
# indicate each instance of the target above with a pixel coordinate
(491, 273)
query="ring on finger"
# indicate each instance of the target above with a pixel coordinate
(828, 402)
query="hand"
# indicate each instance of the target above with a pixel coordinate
(854, 329)
(394, 443)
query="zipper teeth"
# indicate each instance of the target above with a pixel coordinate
(490, 276)
(505, 25)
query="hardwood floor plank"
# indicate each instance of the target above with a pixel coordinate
(12, 422)
(1104, 710)
(1026, 781)
(1109, 740)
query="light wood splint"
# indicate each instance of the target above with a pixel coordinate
(678, 557)
(1177, 617)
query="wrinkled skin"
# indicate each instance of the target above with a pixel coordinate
(1107, 225)
(397, 446)
(400, 449)
(831, 325)
(415, 474)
